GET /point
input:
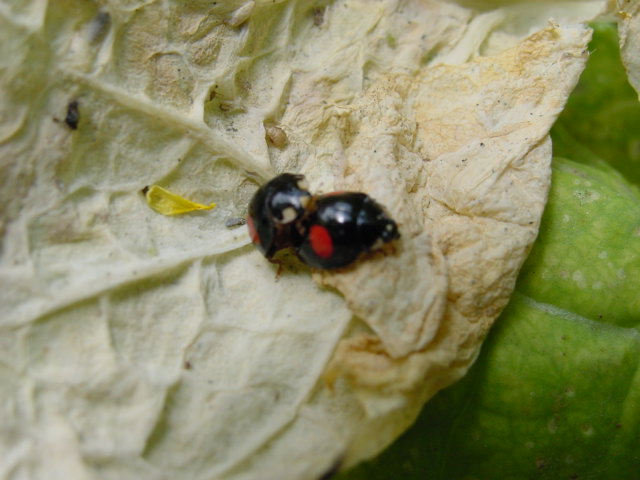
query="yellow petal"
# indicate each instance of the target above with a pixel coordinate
(168, 203)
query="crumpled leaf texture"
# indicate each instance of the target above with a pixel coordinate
(134, 345)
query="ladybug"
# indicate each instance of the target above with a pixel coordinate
(326, 232)
(341, 227)
(275, 211)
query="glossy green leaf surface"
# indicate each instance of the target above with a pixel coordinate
(602, 115)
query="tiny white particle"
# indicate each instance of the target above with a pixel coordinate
(566, 218)
(603, 254)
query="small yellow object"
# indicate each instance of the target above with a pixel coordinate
(168, 203)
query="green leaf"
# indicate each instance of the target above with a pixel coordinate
(602, 115)
(586, 259)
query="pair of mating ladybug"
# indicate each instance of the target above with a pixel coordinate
(327, 231)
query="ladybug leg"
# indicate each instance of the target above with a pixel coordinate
(391, 248)
(280, 265)
(382, 248)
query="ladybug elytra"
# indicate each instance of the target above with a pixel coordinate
(326, 232)
(343, 226)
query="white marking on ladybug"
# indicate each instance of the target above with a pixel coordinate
(288, 215)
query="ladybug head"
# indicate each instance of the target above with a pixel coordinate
(274, 210)
(289, 198)
(389, 230)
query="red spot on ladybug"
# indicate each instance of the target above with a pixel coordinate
(321, 241)
(253, 233)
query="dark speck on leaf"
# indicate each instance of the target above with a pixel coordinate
(318, 16)
(73, 115)
(99, 27)
(234, 222)
(213, 93)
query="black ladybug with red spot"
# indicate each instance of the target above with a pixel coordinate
(326, 232)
